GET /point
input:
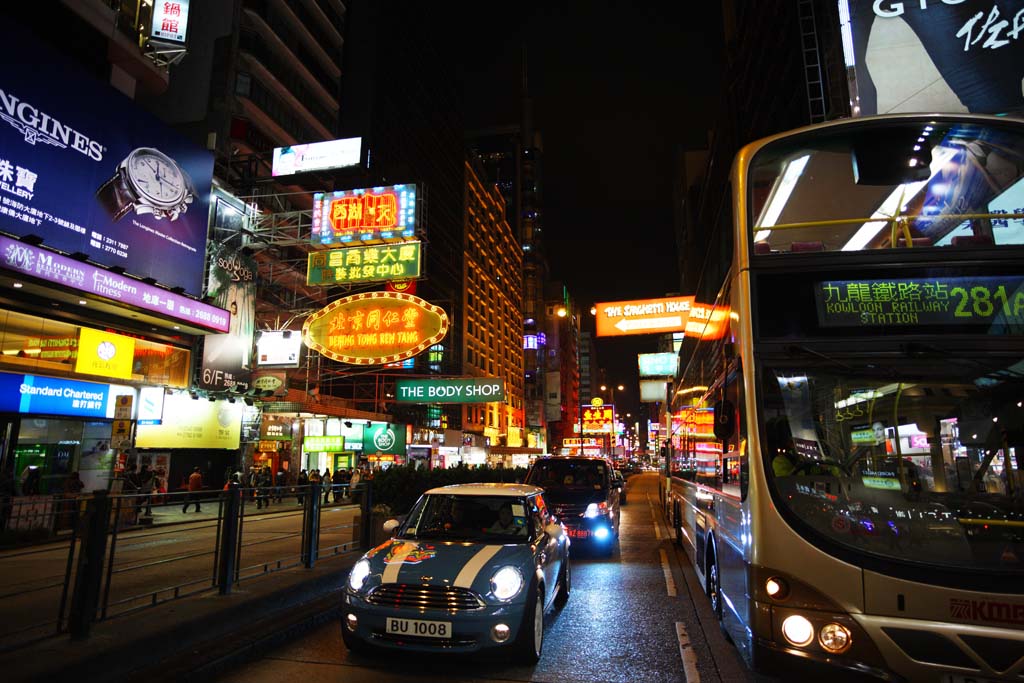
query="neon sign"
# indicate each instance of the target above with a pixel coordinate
(366, 216)
(377, 263)
(374, 328)
(598, 419)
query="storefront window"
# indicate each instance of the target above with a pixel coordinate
(49, 450)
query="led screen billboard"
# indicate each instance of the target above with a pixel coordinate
(88, 172)
(316, 156)
(365, 216)
(938, 56)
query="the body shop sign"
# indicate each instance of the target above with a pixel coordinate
(87, 171)
(374, 328)
(474, 390)
(381, 437)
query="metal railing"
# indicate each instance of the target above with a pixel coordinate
(105, 556)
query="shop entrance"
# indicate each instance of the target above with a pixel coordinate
(48, 450)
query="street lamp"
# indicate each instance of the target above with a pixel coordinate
(562, 312)
(611, 399)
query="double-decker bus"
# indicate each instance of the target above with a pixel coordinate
(855, 496)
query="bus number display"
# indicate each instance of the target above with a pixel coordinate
(886, 302)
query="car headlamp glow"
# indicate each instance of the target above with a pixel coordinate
(506, 583)
(601, 533)
(595, 509)
(360, 570)
(798, 630)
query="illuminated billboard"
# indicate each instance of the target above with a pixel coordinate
(278, 348)
(949, 56)
(707, 322)
(473, 390)
(193, 424)
(316, 156)
(376, 263)
(374, 328)
(644, 316)
(658, 364)
(653, 390)
(598, 419)
(365, 216)
(170, 21)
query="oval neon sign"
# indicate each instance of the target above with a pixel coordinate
(374, 328)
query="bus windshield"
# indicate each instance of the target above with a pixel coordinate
(917, 460)
(914, 182)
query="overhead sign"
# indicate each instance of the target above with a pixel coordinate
(323, 444)
(170, 21)
(50, 267)
(189, 423)
(996, 301)
(365, 216)
(377, 263)
(316, 156)
(373, 328)
(105, 354)
(644, 316)
(965, 56)
(382, 437)
(278, 348)
(658, 364)
(475, 390)
(653, 390)
(598, 419)
(87, 171)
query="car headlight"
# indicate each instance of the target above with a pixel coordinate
(360, 570)
(506, 583)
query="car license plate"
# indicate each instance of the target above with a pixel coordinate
(579, 533)
(956, 678)
(419, 628)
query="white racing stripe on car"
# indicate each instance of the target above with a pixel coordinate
(475, 564)
(392, 568)
(688, 655)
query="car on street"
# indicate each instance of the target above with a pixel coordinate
(473, 568)
(581, 493)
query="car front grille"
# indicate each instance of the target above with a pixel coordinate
(569, 511)
(448, 598)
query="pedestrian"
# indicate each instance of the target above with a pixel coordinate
(263, 486)
(195, 485)
(146, 481)
(251, 482)
(353, 484)
(337, 484)
(300, 486)
(325, 482)
(279, 483)
(73, 486)
(314, 482)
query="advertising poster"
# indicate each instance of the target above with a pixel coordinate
(88, 172)
(942, 56)
(189, 423)
(227, 358)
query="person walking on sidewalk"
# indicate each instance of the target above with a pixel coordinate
(301, 484)
(146, 481)
(195, 485)
(325, 483)
(263, 486)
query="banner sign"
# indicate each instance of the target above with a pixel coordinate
(658, 364)
(948, 56)
(475, 390)
(316, 156)
(373, 328)
(378, 263)
(885, 303)
(365, 216)
(105, 354)
(37, 395)
(644, 316)
(88, 172)
(323, 444)
(46, 265)
(189, 423)
(384, 438)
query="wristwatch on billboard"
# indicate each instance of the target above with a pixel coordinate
(148, 181)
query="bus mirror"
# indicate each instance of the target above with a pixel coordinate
(725, 419)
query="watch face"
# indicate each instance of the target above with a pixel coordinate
(156, 177)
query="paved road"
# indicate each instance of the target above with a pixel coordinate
(629, 618)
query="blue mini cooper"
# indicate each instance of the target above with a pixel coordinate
(474, 567)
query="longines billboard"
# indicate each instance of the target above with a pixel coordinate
(88, 172)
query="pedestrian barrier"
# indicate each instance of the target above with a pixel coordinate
(107, 555)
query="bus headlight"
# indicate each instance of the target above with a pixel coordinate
(835, 638)
(776, 588)
(798, 630)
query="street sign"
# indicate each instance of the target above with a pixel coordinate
(643, 316)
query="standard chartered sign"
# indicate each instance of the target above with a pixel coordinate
(476, 390)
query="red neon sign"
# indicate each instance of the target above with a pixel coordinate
(374, 211)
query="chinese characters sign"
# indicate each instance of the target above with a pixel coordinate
(105, 353)
(658, 364)
(364, 264)
(170, 20)
(373, 328)
(598, 419)
(645, 316)
(921, 301)
(365, 216)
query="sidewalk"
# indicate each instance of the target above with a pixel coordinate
(192, 638)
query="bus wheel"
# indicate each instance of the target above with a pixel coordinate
(677, 524)
(714, 583)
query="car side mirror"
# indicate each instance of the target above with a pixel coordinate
(390, 526)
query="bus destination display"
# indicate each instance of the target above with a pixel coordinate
(892, 302)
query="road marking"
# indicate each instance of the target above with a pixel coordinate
(670, 583)
(654, 516)
(688, 655)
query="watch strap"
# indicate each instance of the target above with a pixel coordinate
(115, 196)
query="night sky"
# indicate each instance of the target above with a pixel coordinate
(618, 90)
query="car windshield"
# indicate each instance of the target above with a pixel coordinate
(914, 459)
(482, 519)
(569, 474)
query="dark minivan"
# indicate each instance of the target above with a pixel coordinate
(581, 494)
